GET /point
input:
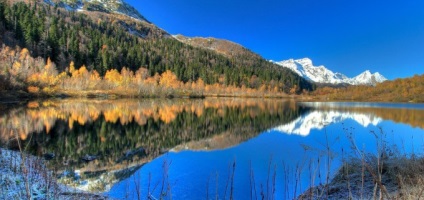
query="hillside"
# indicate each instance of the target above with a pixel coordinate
(103, 40)
(227, 48)
(399, 90)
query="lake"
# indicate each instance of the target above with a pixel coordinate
(213, 148)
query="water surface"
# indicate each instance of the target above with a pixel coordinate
(203, 149)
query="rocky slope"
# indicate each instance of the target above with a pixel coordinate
(221, 46)
(107, 6)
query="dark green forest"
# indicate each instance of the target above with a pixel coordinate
(101, 42)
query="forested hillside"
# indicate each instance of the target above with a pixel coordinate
(399, 90)
(104, 41)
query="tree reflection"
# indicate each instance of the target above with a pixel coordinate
(111, 130)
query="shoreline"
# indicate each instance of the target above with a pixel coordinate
(19, 96)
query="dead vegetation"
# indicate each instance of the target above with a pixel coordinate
(387, 174)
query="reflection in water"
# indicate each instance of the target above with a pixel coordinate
(37, 117)
(412, 114)
(320, 119)
(99, 138)
(325, 114)
(284, 162)
(96, 143)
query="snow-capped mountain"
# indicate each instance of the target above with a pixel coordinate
(319, 119)
(320, 74)
(107, 6)
(366, 78)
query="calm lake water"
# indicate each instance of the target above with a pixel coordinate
(205, 149)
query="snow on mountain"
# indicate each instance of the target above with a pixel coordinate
(107, 6)
(368, 79)
(319, 119)
(320, 74)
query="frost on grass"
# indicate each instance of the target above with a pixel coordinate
(24, 176)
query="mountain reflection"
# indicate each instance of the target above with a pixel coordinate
(320, 119)
(96, 137)
(323, 114)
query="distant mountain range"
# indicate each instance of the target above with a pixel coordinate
(320, 74)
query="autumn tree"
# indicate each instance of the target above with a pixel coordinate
(169, 79)
(113, 77)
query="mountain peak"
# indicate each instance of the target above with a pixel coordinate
(364, 74)
(320, 74)
(304, 61)
(367, 78)
(367, 72)
(106, 6)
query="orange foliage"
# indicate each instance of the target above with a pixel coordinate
(153, 80)
(33, 89)
(169, 79)
(198, 85)
(95, 76)
(82, 72)
(33, 104)
(75, 81)
(113, 76)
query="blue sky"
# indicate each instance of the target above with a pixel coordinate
(345, 36)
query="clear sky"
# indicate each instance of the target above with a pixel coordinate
(347, 36)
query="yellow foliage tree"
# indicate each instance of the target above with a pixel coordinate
(95, 76)
(71, 67)
(127, 76)
(48, 76)
(199, 84)
(169, 79)
(113, 76)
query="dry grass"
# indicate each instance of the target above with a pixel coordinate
(387, 176)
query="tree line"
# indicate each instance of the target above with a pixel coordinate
(20, 71)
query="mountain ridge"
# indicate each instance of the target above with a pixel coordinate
(222, 46)
(108, 6)
(320, 74)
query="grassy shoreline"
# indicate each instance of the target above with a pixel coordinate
(113, 94)
(14, 96)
